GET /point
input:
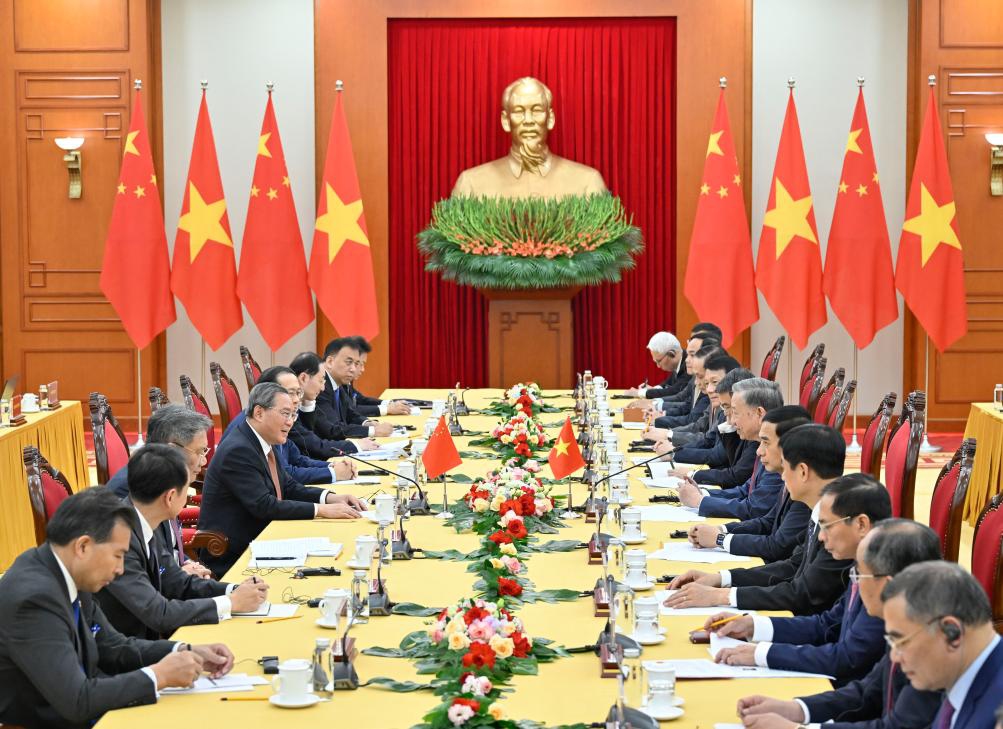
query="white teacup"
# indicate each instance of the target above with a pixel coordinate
(386, 506)
(333, 604)
(631, 519)
(430, 424)
(365, 545)
(661, 689)
(646, 618)
(406, 470)
(418, 446)
(294, 680)
(438, 408)
(636, 561)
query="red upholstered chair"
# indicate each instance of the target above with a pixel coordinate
(809, 365)
(111, 450)
(227, 396)
(157, 399)
(987, 556)
(907, 412)
(47, 488)
(195, 401)
(194, 539)
(811, 390)
(873, 442)
(829, 398)
(772, 360)
(902, 457)
(948, 502)
(252, 370)
(837, 417)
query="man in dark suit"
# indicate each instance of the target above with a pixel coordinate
(343, 363)
(883, 699)
(372, 406)
(244, 487)
(703, 432)
(774, 535)
(62, 663)
(154, 597)
(184, 429)
(845, 641)
(940, 628)
(668, 355)
(810, 580)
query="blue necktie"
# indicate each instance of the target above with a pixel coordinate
(337, 398)
(80, 635)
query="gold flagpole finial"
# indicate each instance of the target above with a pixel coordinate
(137, 84)
(931, 80)
(204, 84)
(723, 82)
(791, 82)
(860, 81)
(269, 85)
(339, 85)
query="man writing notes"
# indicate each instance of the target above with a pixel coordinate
(668, 355)
(153, 598)
(343, 363)
(62, 664)
(245, 488)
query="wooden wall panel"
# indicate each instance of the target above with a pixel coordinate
(714, 38)
(960, 41)
(67, 71)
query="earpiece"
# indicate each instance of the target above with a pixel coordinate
(951, 631)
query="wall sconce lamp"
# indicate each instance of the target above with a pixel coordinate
(995, 140)
(71, 145)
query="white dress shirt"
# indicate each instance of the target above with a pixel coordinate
(383, 411)
(959, 691)
(266, 448)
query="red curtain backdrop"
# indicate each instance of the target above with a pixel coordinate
(613, 81)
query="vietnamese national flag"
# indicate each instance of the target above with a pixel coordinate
(204, 274)
(341, 262)
(789, 265)
(858, 260)
(565, 457)
(720, 282)
(136, 272)
(930, 271)
(440, 454)
(272, 280)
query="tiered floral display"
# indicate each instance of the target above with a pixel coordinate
(520, 437)
(525, 397)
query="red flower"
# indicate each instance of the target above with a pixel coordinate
(474, 704)
(528, 504)
(475, 613)
(509, 587)
(520, 646)
(480, 655)
(516, 529)
(500, 537)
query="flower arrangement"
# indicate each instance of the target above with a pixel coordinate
(519, 437)
(523, 397)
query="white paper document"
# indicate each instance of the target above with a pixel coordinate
(719, 643)
(635, 426)
(290, 552)
(662, 512)
(664, 595)
(686, 552)
(359, 480)
(662, 482)
(270, 610)
(689, 668)
(230, 682)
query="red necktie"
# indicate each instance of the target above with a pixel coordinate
(890, 701)
(946, 714)
(854, 590)
(274, 469)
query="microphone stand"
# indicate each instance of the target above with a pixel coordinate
(461, 406)
(343, 673)
(418, 505)
(379, 600)
(607, 477)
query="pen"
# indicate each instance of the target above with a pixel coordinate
(275, 620)
(716, 623)
(272, 559)
(254, 580)
(243, 698)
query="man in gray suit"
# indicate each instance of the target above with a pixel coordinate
(62, 664)
(154, 597)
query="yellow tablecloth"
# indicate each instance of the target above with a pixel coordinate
(59, 435)
(568, 690)
(985, 424)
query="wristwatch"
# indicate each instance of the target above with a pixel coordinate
(720, 540)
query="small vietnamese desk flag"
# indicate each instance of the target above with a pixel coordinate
(204, 273)
(789, 265)
(720, 282)
(565, 457)
(440, 454)
(930, 270)
(341, 262)
(858, 260)
(136, 272)
(280, 305)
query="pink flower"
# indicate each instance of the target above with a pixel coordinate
(459, 714)
(480, 630)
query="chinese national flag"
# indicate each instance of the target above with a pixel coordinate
(341, 262)
(136, 274)
(565, 457)
(280, 305)
(789, 266)
(720, 282)
(930, 270)
(204, 274)
(440, 455)
(858, 260)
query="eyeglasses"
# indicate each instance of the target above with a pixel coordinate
(826, 526)
(201, 452)
(856, 577)
(287, 415)
(295, 391)
(897, 643)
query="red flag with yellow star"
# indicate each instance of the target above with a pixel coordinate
(136, 273)
(341, 262)
(565, 457)
(789, 265)
(858, 259)
(930, 271)
(280, 305)
(720, 282)
(204, 275)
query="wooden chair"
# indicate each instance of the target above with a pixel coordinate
(193, 539)
(195, 401)
(811, 390)
(157, 399)
(987, 556)
(829, 398)
(111, 449)
(837, 417)
(227, 396)
(809, 365)
(772, 360)
(47, 489)
(873, 442)
(902, 457)
(947, 505)
(252, 370)
(907, 412)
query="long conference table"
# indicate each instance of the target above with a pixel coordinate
(566, 691)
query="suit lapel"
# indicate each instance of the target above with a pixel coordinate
(990, 669)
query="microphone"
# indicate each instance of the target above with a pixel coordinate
(379, 600)
(418, 505)
(592, 487)
(461, 406)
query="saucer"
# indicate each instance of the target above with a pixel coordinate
(639, 539)
(653, 640)
(301, 703)
(667, 714)
(357, 565)
(324, 624)
(641, 587)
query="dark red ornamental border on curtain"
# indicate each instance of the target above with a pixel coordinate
(613, 81)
